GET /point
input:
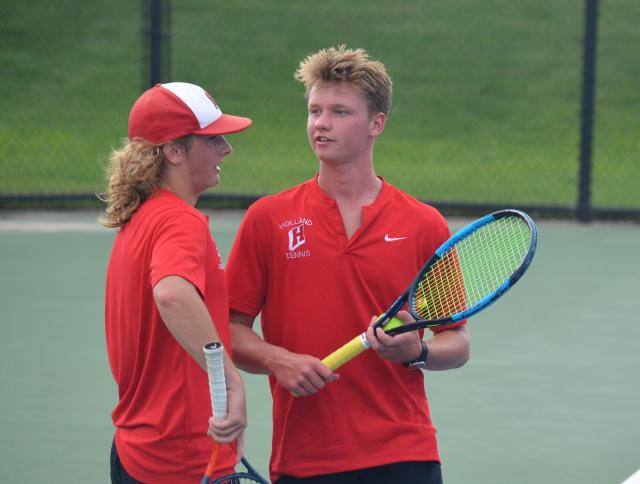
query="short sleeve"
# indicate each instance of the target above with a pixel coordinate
(179, 249)
(246, 269)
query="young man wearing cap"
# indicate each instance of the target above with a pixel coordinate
(317, 261)
(166, 294)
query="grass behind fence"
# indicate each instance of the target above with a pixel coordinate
(486, 95)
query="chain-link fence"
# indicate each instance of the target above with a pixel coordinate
(486, 110)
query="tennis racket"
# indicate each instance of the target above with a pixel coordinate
(214, 354)
(251, 475)
(467, 273)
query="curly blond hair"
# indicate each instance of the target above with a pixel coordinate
(135, 171)
(340, 64)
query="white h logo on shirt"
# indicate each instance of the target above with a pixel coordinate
(296, 237)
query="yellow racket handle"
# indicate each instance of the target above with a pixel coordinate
(347, 352)
(354, 347)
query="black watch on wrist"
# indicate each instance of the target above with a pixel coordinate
(420, 361)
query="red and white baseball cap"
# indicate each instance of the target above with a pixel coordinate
(176, 109)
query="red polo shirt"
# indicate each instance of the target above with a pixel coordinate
(316, 290)
(161, 418)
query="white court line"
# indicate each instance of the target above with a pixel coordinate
(50, 222)
(634, 479)
(50, 227)
(86, 221)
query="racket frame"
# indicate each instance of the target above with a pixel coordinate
(462, 234)
(251, 474)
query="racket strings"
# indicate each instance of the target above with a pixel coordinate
(473, 268)
(441, 291)
(237, 479)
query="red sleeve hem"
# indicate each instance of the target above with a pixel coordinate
(243, 307)
(187, 277)
(440, 329)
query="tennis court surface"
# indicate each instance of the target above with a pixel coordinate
(551, 393)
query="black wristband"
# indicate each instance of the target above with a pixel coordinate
(421, 361)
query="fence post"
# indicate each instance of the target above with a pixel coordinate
(588, 108)
(157, 41)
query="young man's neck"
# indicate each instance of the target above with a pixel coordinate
(349, 183)
(180, 189)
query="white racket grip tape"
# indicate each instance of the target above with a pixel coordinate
(364, 341)
(214, 354)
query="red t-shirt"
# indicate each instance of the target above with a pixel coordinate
(316, 290)
(162, 414)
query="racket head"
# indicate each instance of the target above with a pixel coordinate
(471, 270)
(236, 478)
(250, 476)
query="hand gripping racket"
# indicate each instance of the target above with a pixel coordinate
(470, 271)
(214, 354)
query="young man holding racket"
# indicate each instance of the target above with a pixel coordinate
(317, 261)
(166, 294)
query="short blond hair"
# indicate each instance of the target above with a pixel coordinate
(342, 65)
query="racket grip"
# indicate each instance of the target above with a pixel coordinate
(214, 354)
(347, 352)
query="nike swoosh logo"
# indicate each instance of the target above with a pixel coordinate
(392, 239)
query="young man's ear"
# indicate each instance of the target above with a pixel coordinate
(173, 152)
(377, 124)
